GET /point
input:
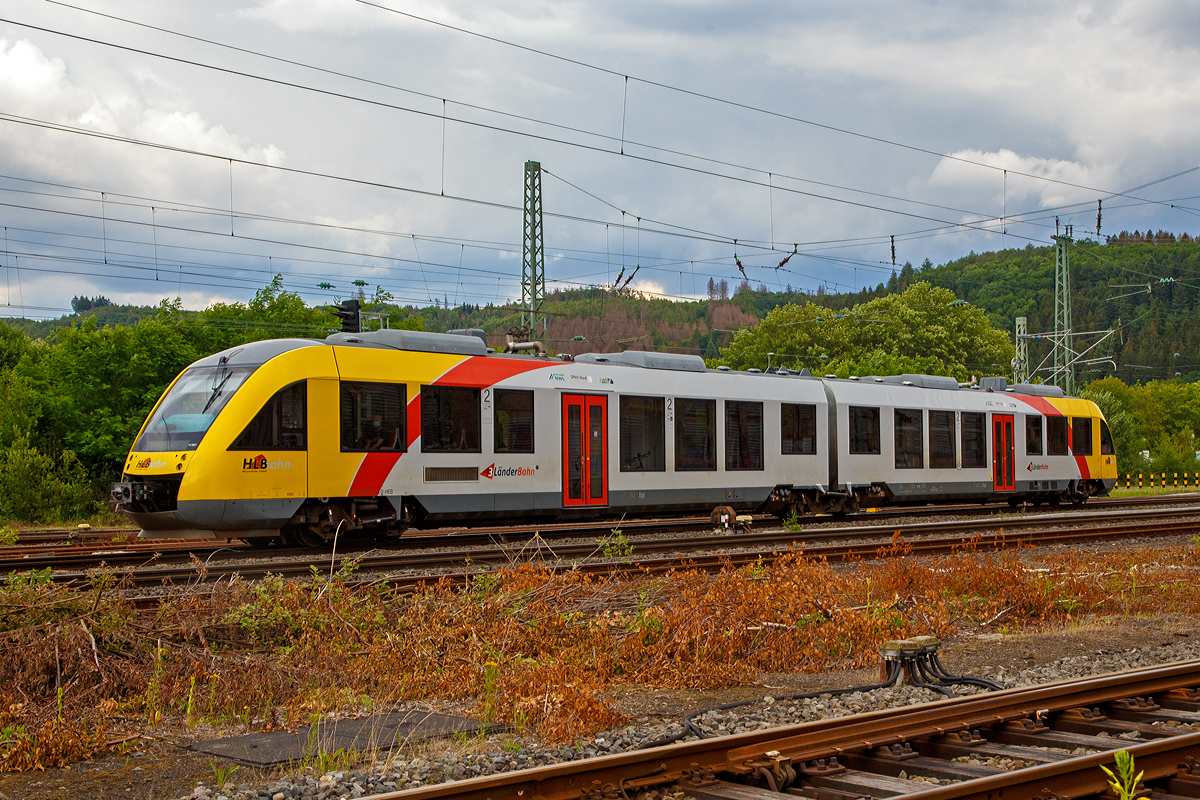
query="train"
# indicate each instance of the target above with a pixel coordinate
(300, 440)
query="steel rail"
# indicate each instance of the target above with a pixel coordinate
(451, 562)
(485, 548)
(1078, 777)
(742, 754)
(72, 536)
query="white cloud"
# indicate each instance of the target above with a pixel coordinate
(191, 131)
(953, 173)
(649, 288)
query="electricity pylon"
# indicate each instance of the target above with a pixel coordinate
(1064, 355)
(533, 264)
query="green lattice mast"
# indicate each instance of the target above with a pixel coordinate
(533, 264)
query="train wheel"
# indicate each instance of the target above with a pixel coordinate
(258, 542)
(305, 536)
(1013, 502)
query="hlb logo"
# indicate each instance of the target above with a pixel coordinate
(260, 463)
(148, 462)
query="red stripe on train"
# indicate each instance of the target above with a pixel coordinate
(372, 472)
(484, 372)
(481, 372)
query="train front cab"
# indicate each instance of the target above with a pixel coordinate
(1052, 449)
(227, 446)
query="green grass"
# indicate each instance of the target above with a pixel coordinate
(1150, 491)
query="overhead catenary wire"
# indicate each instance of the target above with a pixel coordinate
(713, 237)
(393, 106)
(770, 189)
(732, 103)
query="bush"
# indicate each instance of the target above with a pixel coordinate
(37, 488)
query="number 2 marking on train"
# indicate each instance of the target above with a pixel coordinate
(670, 409)
(487, 399)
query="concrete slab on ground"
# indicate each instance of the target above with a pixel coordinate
(375, 732)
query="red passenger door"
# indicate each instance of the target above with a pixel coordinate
(585, 462)
(1003, 454)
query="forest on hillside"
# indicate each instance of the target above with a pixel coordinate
(1145, 286)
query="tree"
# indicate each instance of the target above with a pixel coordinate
(917, 331)
(723, 289)
(712, 290)
(81, 304)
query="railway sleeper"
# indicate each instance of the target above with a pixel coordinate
(888, 771)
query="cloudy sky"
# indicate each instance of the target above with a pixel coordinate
(152, 150)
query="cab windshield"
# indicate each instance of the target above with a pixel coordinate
(184, 415)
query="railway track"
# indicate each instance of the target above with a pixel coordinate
(657, 556)
(55, 539)
(951, 750)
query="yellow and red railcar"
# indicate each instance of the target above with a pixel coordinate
(391, 429)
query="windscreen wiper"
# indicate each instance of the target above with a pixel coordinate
(216, 391)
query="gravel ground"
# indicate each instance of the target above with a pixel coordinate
(503, 753)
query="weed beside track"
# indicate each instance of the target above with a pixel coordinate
(541, 651)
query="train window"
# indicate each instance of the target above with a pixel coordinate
(941, 439)
(743, 435)
(372, 416)
(864, 430)
(450, 419)
(1106, 442)
(974, 440)
(798, 424)
(695, 435)
(1056, 436)
(643, 434)
(513, 421)
(1033, 434)
(1081, 436)
(280, 425)
(185, 413)
(910, 438)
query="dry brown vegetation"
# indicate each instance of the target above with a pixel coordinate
(531, 647)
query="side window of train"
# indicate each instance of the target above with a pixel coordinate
(281, 424)
(450, 421)
(910, 438)
(695, 435)
(1056, 436)
(798, 427)
(372, 416)
(1081, 436)
(941, 439)
(1106, 442)
(974, 440)
(864, 430)
(643, 434)
(743, 435)
(512, 415)
(1033, 434)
